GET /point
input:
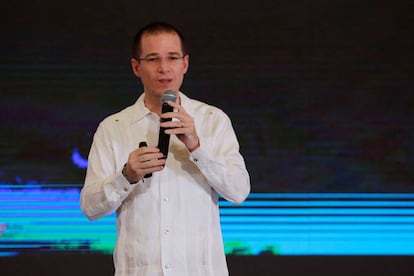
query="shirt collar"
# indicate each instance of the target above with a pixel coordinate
(186, 103)
(139, 110)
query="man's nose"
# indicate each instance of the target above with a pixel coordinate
(163, 65)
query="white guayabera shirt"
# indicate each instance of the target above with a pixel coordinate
(168, 224)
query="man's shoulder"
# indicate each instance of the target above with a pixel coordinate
(200, 107)
(123, 115)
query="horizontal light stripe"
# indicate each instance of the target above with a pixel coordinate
(317, 211)
(288, 224)
(319, 203)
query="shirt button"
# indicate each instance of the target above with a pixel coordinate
(165, 199)
(166, 231)
(195, 159)
(125, 189)
(167, 266)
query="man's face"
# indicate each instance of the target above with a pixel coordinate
(162, 65)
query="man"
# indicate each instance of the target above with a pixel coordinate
(168, 223)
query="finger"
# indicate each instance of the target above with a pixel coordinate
(149, 171)
(146, 150)
(143, 154)
(152, 164)
(175, 105)
(180, 130)
(140, 168)
(176, 124)
(178, 127)
(179, 108)
(149, 156)
(171, 115)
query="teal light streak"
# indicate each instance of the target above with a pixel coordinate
(286, 224)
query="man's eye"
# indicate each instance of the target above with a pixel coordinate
(153, 59)
(172, 58)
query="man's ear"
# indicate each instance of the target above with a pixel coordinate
(186, 63)
(135, 67)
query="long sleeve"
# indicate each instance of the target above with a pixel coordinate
(219, 159)
(105, 187)
(175, 210)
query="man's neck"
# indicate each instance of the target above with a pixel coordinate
(153, 104)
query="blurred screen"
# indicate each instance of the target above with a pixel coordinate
(319, 93)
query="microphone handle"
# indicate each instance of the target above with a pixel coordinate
(163, 138)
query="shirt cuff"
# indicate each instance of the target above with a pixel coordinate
(122, 185)
(200, 157)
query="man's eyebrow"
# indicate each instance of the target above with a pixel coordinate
(157, 55)
(151, 54)
(174, 53)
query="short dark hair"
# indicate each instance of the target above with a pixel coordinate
(155, 28)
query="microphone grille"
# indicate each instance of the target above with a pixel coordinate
(168, 95)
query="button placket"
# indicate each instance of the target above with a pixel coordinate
(165, 226)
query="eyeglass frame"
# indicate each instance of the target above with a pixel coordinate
(154, 59)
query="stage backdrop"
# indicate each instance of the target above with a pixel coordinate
(320, 94)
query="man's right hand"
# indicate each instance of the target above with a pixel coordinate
(142, 161)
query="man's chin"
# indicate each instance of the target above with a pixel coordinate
(167, 88)
(160, 90)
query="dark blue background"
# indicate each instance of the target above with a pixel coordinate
(320, 92)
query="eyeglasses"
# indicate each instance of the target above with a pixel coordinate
(155, 60)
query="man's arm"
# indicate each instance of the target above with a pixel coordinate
(222, 164)
(105, 187)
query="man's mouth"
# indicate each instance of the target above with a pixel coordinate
(164, 81)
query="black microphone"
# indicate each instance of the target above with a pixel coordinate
(163, 138)
(144, 144)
